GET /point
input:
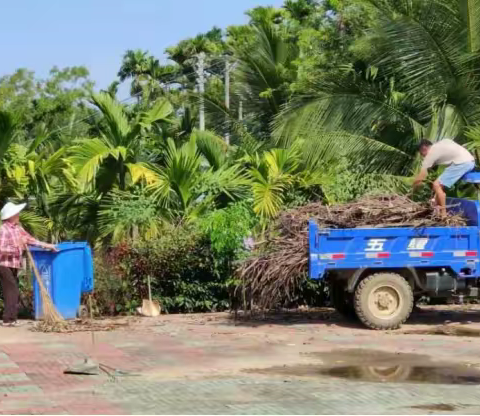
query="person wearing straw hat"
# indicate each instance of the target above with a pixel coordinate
(13, 241)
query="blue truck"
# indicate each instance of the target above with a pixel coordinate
(378, 274)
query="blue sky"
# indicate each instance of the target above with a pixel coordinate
(38, 34)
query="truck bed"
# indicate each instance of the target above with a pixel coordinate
(456, 248)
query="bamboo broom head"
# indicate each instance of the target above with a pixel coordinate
(50, 313)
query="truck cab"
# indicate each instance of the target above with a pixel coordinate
(377, 274)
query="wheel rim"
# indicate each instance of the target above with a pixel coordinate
(385, 301)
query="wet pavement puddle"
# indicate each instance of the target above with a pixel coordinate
(406, 374)
(378, 367)
(451, 330)
(440, 407)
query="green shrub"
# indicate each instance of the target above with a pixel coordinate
(226, 230)
(181, 269)
(348, 185)
(114, 292)
(190, 267)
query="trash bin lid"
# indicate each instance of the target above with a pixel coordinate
(63, 246)
(71, 245)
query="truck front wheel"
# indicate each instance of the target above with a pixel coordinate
(383, 301)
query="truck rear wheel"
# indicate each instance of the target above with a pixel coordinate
(383, 301)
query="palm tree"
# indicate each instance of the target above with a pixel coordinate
(197, 176)
(264, 73)
(265, 15)
(185, 53)
(129, 215)
(116, 157)
(76, 214)
(265, 67)
(421, 81)
(303, 168)
(160, 76)
(31, 171)
(135, 65)
(112, 89)
(300, 10)
(8, 131)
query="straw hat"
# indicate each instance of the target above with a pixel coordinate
(9, 210)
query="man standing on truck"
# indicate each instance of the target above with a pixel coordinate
(459, 161)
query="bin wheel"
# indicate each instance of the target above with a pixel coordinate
(82, 312)
(383, 301)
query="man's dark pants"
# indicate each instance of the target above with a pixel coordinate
(9, 281)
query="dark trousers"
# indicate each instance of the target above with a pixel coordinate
(9, 281)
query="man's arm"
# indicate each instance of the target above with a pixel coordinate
(420, 177)
(29, 240)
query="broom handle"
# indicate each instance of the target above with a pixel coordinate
(37, 273)
(35, 270)
(149, 289)
(50, 314)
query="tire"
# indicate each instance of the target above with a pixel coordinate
(341, 300)
(383, 301)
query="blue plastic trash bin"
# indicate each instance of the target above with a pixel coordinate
(88, 282)
(66, 275)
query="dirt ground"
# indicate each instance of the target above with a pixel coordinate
(300, 362)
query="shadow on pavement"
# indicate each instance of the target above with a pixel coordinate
(440, 315)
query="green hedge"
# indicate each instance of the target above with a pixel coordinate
(181, 268)
(190, 267)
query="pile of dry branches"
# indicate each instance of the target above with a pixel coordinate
(77, 325)
(280, 263)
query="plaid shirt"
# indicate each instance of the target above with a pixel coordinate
(12, 239)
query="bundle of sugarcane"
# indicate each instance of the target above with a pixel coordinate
(279, 263)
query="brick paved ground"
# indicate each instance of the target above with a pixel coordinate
(204, 364)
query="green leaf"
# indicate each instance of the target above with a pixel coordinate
(160, 111)
(114, 115)
(8, 132)
(211, 147)
(87, 157)
(142, 171)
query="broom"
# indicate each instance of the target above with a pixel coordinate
(50, 314)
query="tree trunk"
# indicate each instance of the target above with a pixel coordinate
(122, 175)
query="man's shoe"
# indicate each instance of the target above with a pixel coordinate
(12, 324)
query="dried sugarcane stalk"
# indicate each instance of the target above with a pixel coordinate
(280, 264)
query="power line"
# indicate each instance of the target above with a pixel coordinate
(170, 80)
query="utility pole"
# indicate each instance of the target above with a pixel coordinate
(227, 99)
(240, 109)
(201, 87)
